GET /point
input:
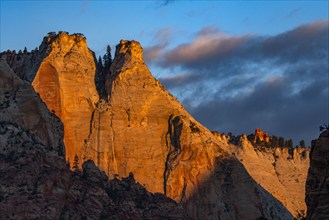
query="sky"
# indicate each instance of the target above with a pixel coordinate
(234, 65)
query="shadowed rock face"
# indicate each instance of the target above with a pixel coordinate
(35, 181)
(143, 129)
(317, 186)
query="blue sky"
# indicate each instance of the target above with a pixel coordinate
(235, 65)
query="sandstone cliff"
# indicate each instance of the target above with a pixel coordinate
(65, 82)
(151, 134)
(143, 129)
(317, 186)
(35, 181)
(281, 171)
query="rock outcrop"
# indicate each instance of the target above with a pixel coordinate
(152, 135)
(280, 171)
(36, 182)
(65, 82)
(317, 186)
(143, 129)
(261, 135)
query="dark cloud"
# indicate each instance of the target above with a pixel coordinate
(237, 83)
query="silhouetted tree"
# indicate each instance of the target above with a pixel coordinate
(68, 163)
(100, 62)
(25, 50)
(107, 58)
(281, 141)
(288, 143)
(76, 163)
(274, 141)
(324, 127)
(302, 143)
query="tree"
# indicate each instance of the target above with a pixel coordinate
(288, 144)
(281, 141)
(302, 143)
(68, 163)
(324, 127)
(75, 166)
(107, 58)
(25, 50)
(274, 141)
(100, 63)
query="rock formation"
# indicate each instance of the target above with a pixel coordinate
(35, 181)
(261, 135)
(65, 82)
(280, 171)
(317, 186)
(143, 129)
(154, 137)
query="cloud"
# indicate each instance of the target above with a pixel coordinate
(162, 37)
(237, 83)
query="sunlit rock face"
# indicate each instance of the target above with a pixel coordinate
(280, 171)
(154, 137)
(317, 186)
(36, 182)
(261, 135)
(143, 129)
(65, 82)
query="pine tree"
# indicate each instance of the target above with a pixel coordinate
(107, 58)
(68, 163)
(302, 143)
(100, 63)
(75, 166)
(281, 141)
(274, 141)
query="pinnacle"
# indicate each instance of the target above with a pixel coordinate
(129, 49)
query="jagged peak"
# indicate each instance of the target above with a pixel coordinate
(63, 35)
(53, 40)
(129, 49)
(127, 54)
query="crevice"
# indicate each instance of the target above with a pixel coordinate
(128, 116)
(175, 126)
(183, 194)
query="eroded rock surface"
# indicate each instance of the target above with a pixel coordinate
(317, 186)
(36, 182)
(143, 129)
(168, 151)
(65, 82)
(280, 171)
